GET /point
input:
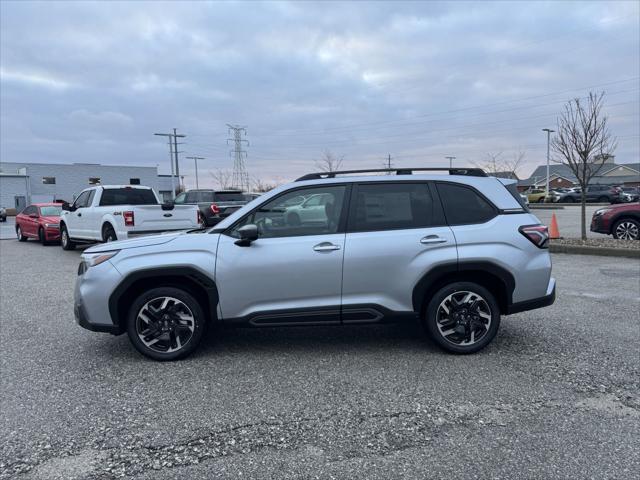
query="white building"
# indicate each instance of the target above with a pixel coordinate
(25, 183)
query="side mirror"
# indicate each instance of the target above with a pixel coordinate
(68, 208)
(33, 215)
(248, 234)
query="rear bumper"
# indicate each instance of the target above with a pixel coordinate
(534, 303)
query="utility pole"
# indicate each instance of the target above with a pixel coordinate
(549, 132)
(195, 159)
(240, 179)
(388, 163)
(173, 155)
(451, 159)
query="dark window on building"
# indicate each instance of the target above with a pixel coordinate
(462, 205)
(94, 180)
(391, 206)
(127, 196)
(134, 181)
(49, 180)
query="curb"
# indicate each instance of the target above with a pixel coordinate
(601, 251)
(544, 207)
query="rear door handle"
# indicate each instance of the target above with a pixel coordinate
(430, 239)
(326, 247)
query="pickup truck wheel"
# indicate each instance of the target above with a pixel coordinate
(108, 234)
(626, 229)
(65, 241)
(462, 317)
(165, 323)
(20, 235)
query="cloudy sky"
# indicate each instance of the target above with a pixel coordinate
(92, 82)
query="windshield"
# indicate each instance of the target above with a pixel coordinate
(51, 211)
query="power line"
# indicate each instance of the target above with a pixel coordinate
(240, 178)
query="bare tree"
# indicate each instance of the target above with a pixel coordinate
(583, 141)
(260, 186)
(329, 162)
(222, 178)
(498, 162)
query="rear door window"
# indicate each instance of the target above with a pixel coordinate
(463, 205)
(391, 206)
(127, 196)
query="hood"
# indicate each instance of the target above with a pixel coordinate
(51, 219)
(134, 243)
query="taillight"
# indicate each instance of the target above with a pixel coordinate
(215, 209)
(537, 234)
(129, 221)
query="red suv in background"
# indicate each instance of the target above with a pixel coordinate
(41, 221)
(621, 221)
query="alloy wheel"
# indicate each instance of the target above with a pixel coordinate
(627, 231)
(463, 318)
(165, 324)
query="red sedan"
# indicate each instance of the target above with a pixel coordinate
(621, 221)
(41, 221)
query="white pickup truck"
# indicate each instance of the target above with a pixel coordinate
(116, 212)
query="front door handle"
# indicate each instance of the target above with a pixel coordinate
(430, 239)
(326, 247)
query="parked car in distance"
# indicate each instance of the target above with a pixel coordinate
(630, 194)
(454, 252)
(562, 195)
(621, 221)
(595, 193)
(116, 212)
(3, 214)
(214, 205)
(536, 195)
(41, 221)
(525, 199)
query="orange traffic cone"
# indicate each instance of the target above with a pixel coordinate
(553, 229)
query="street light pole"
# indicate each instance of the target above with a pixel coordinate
(549, 132)
(451, 159)
(195, 159)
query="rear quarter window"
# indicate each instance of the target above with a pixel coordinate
(127, 196)
(463, 205)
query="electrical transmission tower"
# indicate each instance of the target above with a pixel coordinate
(240, 178)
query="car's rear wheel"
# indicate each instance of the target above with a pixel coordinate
(65, 240)
(462, 317)
(165, 323)
(567, 200)
(626, 229)
(541, 200)
(20, 235)
(108, 234)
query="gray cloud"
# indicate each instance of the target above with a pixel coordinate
(419, 80)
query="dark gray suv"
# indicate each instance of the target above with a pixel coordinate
(214, 205)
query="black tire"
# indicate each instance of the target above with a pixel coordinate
(65, 240)
(568, 200)
(109, 234)
(20, 235)
(144, 303)
(490, 307)
(604, 199)
(627, 229)
(541, 200)
(41, 236)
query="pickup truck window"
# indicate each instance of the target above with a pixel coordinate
(199, 197)
(82, 200)
(127, 196)
(229, 197)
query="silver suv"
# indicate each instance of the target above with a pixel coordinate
(454, 252)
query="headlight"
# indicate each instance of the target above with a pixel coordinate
(602, 211)
(52, 225)
(93, 259)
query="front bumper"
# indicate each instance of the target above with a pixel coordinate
(598, 225)
(93, 287)
(534, 303)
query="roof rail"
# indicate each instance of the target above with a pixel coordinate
(472, 172)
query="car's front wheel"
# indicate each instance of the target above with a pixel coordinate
(626, 229)
(165, 323)
(462, 317)
(65, 240)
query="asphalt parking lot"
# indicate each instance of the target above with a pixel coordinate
(557, 394)
(568, 219)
